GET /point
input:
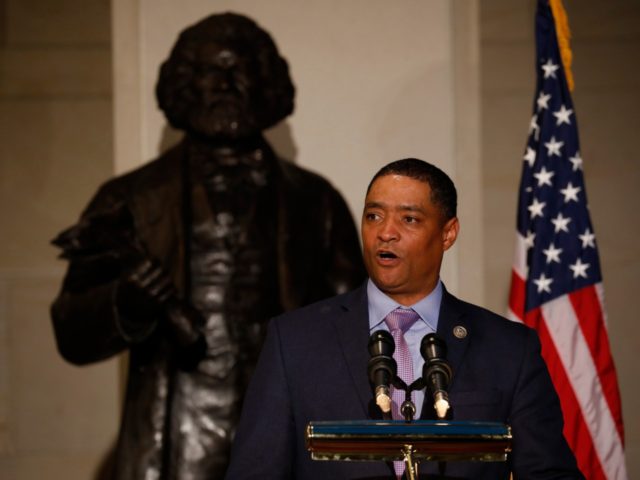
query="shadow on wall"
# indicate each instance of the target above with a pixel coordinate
(282, 142)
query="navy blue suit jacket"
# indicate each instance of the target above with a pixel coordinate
(313, 367)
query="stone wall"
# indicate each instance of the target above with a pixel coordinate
(56, 420)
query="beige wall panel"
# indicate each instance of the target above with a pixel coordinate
(41, 72)
(502, 75)
(502, 20)
(504, 142)
(55, 22)
(46, 394)
(604, 20)
(54, 155)
(608, 69)
(506, 138)
(56, 466)
(56, 420)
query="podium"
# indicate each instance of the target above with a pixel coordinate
(412, 442)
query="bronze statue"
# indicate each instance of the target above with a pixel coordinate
(182, 261)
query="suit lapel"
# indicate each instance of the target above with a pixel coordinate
(454, 328)
(352, 328)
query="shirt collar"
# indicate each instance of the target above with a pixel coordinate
(380, 305)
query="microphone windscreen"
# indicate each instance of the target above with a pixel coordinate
(433, 347)
(381, 343)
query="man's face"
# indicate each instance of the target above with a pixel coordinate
(404, 237)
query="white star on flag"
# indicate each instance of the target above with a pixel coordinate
(576, 161)
(533, 127)
(544, 177)
(560, 223)
(528, 241)
(543, 100)
(530, 156)
(553, 147)
(579, 269)
(562, 116)
(550, 69)
(588, 239)
(570, 193)
(543, 283)
(552, 253)
(536, 208)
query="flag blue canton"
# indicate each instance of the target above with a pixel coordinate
(552, 214)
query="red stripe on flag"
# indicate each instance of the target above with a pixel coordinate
(587, 306)
(517, 295)
(575, 429)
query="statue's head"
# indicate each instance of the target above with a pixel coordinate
(225, 79)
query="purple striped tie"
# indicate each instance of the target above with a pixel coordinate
(399, 321)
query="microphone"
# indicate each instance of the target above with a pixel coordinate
(436, 371)
(382, 367)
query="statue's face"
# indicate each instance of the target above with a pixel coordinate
(224, 85)
(224, 80)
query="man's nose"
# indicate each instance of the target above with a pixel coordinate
(388, 231)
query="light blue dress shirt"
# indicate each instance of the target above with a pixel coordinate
(380, 305)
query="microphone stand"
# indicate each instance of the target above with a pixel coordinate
(410, 468)
(382, 371)
(409, 441)
(408, 410)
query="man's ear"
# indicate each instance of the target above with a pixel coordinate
(450, 233)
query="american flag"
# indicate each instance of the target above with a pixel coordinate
(556, 284)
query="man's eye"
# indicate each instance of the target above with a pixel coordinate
(410, 219)
(372, 216)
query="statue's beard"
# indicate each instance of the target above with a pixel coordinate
(223, 121)
(224, 113)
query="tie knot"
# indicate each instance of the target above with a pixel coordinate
(401, 319)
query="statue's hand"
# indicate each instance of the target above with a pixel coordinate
(184, 322)
(144, 291)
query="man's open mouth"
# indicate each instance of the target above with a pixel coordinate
(385, 255)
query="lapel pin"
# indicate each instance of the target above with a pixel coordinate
(460, 332)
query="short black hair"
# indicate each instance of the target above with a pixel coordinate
(443, 191)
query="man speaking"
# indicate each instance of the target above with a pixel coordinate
(313, 365)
